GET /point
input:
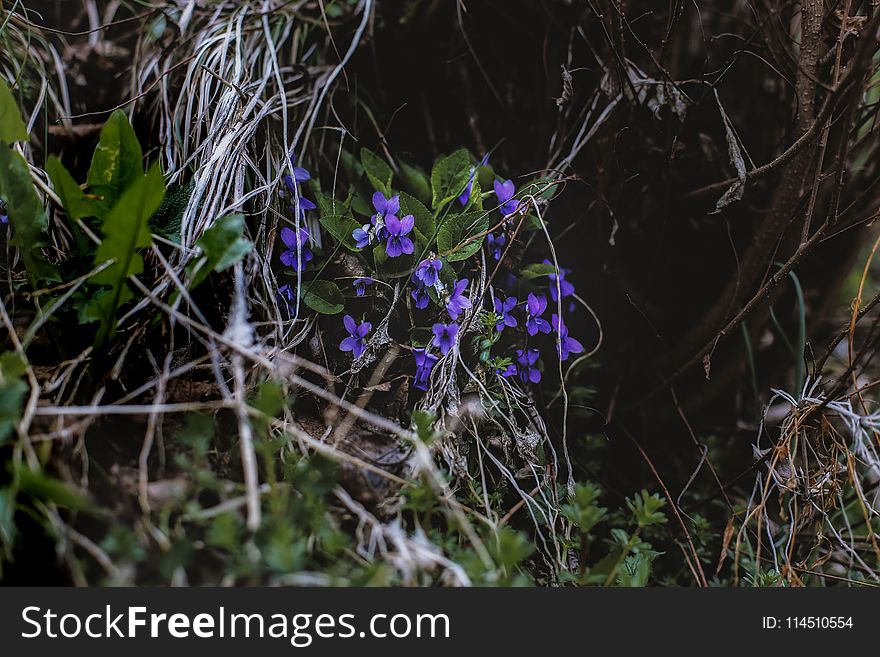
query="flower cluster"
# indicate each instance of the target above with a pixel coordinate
(517, 318)
(297, 253)
(386, 226)
(525, 363)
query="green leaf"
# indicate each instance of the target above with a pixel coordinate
(12, 128)
(353, 169)
(323, 297)
(475, 199)
(461, 235)
(402, 265)
(424, 220)
(125, 233)
(377, 170)
(8, 531)
(118, 160)
(12, 392)
(73, 199)
(169, 217)
(222, 246)
(27, 214)
(536, 271)
(449, 177)
(41, 486)
(328, 204)
(416, 182)
(341, 226)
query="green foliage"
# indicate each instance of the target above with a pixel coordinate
(222, 245)
(29, 217)
(323, 297)
(646, 509)
(125, 233)
(462, 235)
(533, 271)
(341, 226)
(12, 128)
(169, 217)
(41, 486)
(449, 177)
(377, 170)
(416, 182)
(12, 392)
(583, 511)
(118, 161)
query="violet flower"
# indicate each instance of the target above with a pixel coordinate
(287, 295)
(420, 295)
(504, 309)
(527, 365)
(565, 287)
(362, 236)
(428, 270)
(465, 197)
(356, 334)
(504, 193)
(496, 244)
(360, 285)
(444, 336)
(300, 175)
(565, 345)
(507, 372)
(425, 362)
(384, 207)
(535, 307)
(457, 302)
(295, 243)
(398, 229)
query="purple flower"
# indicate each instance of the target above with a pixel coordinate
(535, 307)
(496, 244)
(466, 195)
(362, 236)
(566, 288)
(384, 207)
(4, 218)
(503, 310)
(444, 336)
(457, 302)
(527, 360)
(296, 243)
(398, 229)
(304, 204)
(507, 372)
(504, 193)
(360, 285)
(566, 345)
(356, 334)
(427, 271)
(420, 296)
(425, 362)
(300, 175)
(287, 295)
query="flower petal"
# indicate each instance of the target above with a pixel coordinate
(350, 324)
(288, 236)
